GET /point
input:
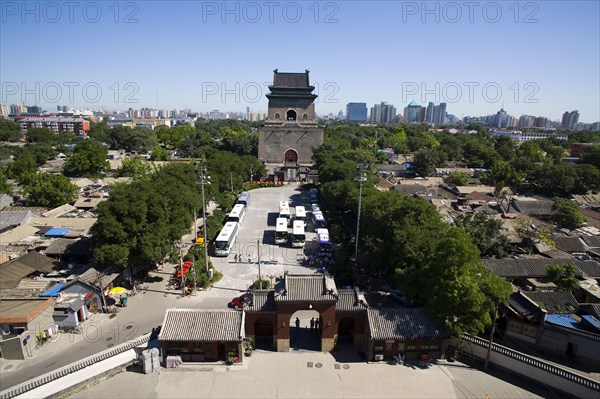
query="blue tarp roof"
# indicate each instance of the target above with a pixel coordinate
(57, 231)
(53, 291)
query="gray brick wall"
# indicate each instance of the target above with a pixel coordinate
(275, 140)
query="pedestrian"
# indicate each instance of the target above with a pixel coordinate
(297, 323)
(317, 322)
(241, 258)
(312, 323)
(235, 258)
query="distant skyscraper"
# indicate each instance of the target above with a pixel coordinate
(3, 110)
(383, 113)
(502, 119)
(413, 112)
(356, 112)
(570, 119)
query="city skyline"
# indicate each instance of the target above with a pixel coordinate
(213, 55)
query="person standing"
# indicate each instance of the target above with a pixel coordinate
(297, 323)
(312, 323)
(317, 322)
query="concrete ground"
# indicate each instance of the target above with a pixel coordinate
(308, 374)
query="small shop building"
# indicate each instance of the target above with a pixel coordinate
(198, 335)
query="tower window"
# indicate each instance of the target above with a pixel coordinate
(277, 116)
(290, 157)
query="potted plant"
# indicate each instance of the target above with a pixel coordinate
(248, 344)
(230, 358)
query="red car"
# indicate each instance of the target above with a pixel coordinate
(239, 301)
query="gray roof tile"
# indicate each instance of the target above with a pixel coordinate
(351, 300)
(570, 244)
(262, 301)
(592, 241)
(403, 324)
(554, 302)
(202, 325)
(306, 287)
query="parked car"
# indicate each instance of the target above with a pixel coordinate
(240, 301)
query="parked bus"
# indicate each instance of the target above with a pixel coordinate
(244, 198)
(226, 239)
(300, 214)
(237, 213)
(284, 210)
(314, 194)
(319, 220)
(298, 236)
(281, 231)
(325, 246)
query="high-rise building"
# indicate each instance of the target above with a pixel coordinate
(356, 112)
(383, 113)
(434, 114)
(17, 109)
(3, 110)
(413, 112)
(502, 119)
(540, 121)
(570, 119)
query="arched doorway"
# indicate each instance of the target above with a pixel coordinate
(263, 333)
(290, 157)
(291, 115)
(346, 331)
(305, 330)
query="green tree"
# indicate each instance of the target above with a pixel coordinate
(563, 276)
(134, 167)
(39, 135)
(568, 213)
(20, 166)
(88, 160)
(9, 131)
(5, 187)
(425, 162)
(49, 190)
(592, 156)
(486, 234)
(457, 179)
(159, 154)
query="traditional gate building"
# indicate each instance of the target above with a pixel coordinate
(291, 130)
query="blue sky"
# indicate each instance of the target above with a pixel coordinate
(536, 58)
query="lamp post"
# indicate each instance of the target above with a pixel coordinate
(203, 180)
(361, 177)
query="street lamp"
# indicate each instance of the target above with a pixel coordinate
(361, 177)
(203, 180)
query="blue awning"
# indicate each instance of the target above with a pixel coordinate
(57, 231)
(592, 320)
(53, 291)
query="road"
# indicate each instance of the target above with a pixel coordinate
(146, 310)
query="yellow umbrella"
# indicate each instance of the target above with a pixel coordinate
(117, 291)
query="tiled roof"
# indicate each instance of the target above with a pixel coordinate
(554, 302)
(351, 300)
(522, 305)
(558, 254)
(22, 311)
(262, 301)
(12, 272)
(503, 267)
(202, 325)
(306, 287)
(60, 246)
(411, 189)
(537, 267)
(403, 324)
(38, 261)
(569, 244)
(91, 276)
(588, 268)
(290, 79)
(591, 309)
(537, 207)
(592, 241)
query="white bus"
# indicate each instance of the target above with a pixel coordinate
(298, 236)
(319, 221)
(315, 208)
(226, 239)
(325, 247)
(284, 210)
(300, 214)
(244, 198)
(237, 213)
(281, 231)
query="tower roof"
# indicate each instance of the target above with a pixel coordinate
(413, 104)
(291, 80)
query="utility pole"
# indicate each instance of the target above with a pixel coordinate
(361, 177)
(489, 348)
(259, 275)
(181, 269)
(203, 180)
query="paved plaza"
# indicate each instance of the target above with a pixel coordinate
(312, 375)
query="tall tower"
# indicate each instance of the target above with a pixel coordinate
(291, 131)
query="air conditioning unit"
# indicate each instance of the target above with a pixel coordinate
(379, 357)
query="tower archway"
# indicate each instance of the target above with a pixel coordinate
(291, 115)
(290, 157)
